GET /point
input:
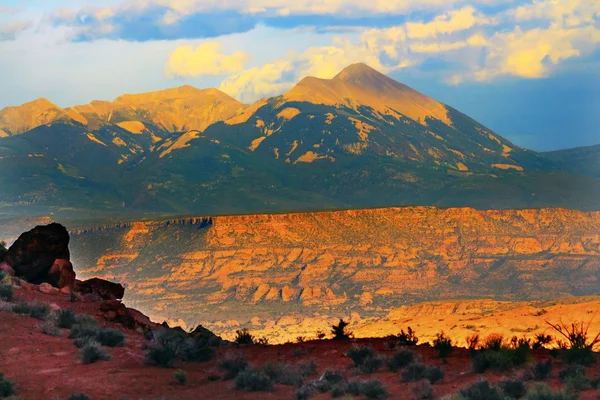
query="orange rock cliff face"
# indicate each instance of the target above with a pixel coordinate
(285, 274)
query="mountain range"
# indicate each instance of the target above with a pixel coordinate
(358, 140)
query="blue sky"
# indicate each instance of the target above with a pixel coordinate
(529, 70)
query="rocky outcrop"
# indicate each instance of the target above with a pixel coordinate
(105, 289)
(42, 255)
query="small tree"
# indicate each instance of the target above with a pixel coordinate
(339, 331)
(443, 344)
(408, 338)
(243, 336)
(579, 346)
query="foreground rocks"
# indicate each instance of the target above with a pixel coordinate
(42, 256)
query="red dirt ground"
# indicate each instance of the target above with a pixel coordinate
(46, 367)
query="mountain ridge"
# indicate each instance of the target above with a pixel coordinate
(359, 140)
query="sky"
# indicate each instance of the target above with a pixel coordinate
(527, 69)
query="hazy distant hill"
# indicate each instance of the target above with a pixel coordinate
(360, 139)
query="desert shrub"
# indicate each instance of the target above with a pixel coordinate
(192, 350)
(83, 331)
(39, 310)
(82, 341)
(233, 364)
(371, 365)
(306, 367)
(65, 318)
(253, 380)
(541, 340)
(545, 392)
(542, 370)
(340, 331)
(408, 338)
(473, 342)
(493, 342)
(85, 320)
(311, 388)
(480, 391)
(72, 297)
(79, 396)
(48, 328)
(571, 370)
(333, 377)
(92, 352)
(577, 383)
(110, 337)
(400, 359)
(321, 335)
(499, 359)
(443, 344)
(359, 354)
(423, 391)
(283, 374)
(415, 371)
(243, 336)
(433, 374)
(371, 389)
(300, 339)
(6, 292)
(264, 341)
(513, 388)
(7, 388)
(579, 345)
(22, 308)
(166, 349)
(180, 377)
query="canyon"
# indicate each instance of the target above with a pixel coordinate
(289, 275)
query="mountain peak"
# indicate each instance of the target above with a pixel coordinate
(357, 71)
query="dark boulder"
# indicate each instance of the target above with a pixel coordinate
(34, 255)
(105, 289)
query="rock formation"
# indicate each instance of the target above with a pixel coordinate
(42, 255)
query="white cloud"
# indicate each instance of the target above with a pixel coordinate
(453, 21)
(10, 30)
(205, 59)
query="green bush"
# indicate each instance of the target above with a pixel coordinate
(92, 352)
(400, 359)
(443, 344)
(165, 350)
(85, 320)
(253, 380)
(571, 370)
(82, 341)
(243, 336)
(544, 392)
(577, 383)
(359, 354)
(6, 292)
(21, 308)
(282, 373)
(181, 377)
(371, 389)
(480, 391)
(514, 389)
(371, 365)
(110, 337)
(48, 328)
(192, 350)
(233, 364)
(65, 318)
(498, 359)
(433, 374)
(415, 371)
(39, 310)
(83, 331)
(542, 370)
(7, 388)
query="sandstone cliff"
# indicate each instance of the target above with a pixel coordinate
(255, 270)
